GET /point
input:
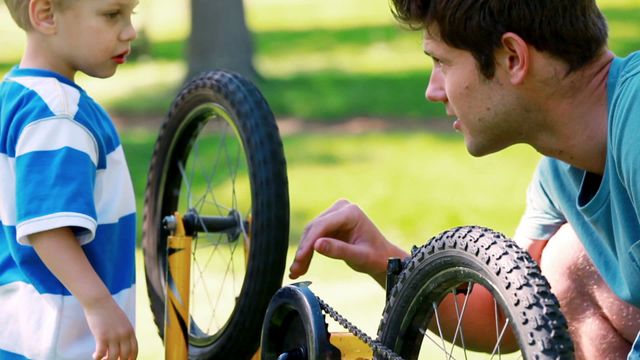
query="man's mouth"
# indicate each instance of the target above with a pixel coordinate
(457, 125)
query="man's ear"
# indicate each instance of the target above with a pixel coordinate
(514, 57)
(41, 16)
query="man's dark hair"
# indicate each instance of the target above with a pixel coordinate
(574, 31)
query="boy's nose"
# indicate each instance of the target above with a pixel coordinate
(129, 33)
(435, 90)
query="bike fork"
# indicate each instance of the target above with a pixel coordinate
(176, 322)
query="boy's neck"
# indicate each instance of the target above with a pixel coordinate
(38, 54)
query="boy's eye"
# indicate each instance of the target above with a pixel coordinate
(112, 14)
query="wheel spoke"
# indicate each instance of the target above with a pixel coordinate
(212, 172)
(186, 183)
(439, 346)
(224, 279)
(497, 347)
(495, 312)
(460, 315)
(201, 279)
(435, 311)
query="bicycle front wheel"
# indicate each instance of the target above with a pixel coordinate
(219, 154)
(525, 318)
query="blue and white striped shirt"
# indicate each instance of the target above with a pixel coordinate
(61, 165)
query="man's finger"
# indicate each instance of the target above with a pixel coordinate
(312, 230)
(335, 207)
(330, 223)
(340, 250)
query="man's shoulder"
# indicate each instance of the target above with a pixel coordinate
(630, 67)
(552, 165)
(552, 172)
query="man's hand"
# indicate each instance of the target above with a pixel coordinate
(345, 232)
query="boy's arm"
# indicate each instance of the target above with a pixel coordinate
(61, 253)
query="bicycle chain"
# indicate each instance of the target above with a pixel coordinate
(376, 346)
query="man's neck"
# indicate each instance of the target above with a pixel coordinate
(574, 128)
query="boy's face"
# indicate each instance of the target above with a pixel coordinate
(93, 36)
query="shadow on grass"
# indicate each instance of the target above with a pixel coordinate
(321, 96)
(279, 42)
(153, 101)
(335, 95)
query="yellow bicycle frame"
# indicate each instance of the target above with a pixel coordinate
(176, 322)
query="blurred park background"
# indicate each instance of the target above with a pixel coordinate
(347, 85)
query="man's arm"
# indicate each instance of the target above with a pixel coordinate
(61, 253)
(533, 246)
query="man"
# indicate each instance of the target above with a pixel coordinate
(535, 72)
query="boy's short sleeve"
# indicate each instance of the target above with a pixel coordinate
(541, 218)
(56, 162)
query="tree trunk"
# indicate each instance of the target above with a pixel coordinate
(219, 38)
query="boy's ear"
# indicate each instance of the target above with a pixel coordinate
(514, 57)
(41, 16)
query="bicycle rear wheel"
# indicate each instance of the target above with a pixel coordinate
(219, 154)
(525, 317)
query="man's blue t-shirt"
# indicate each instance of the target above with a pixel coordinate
(603, 210)
(61, 165)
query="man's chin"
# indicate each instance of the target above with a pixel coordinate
(480, 150)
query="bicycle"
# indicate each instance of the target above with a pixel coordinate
(218, 175)
(255, 218)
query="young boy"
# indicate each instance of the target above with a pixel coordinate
(67, 211)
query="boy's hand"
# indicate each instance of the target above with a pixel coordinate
(345, 232)
(115, 337)
(60, 251)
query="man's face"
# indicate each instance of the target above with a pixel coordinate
(481, 106)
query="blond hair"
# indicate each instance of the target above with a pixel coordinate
(19, 10)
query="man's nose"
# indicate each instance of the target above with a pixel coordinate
(435, 89)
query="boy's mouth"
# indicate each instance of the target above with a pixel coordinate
(120, 58)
